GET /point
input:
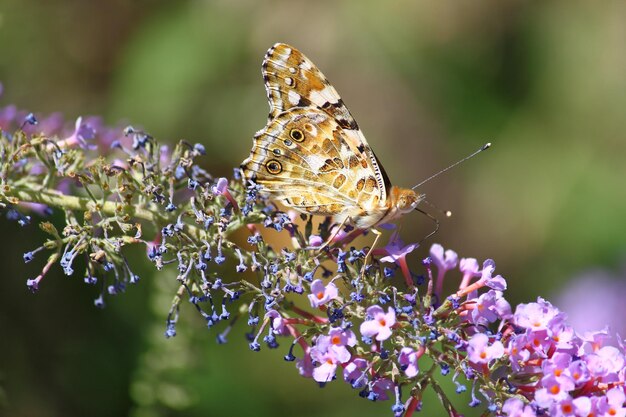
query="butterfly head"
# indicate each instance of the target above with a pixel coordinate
(405, 200)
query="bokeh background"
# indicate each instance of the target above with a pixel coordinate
(429, 82)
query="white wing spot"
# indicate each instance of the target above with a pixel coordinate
(293, 70)
(288, 81)
(315, 162)
(294, 98)
(285, 54)
(328, 94)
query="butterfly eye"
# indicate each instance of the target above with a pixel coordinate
(274, 167)
(297, 135)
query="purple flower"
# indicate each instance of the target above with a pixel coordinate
(517, 351)
(408, 361)
(83, 132)
(315, 241)
(380, 323)
(305, 366)
(479, 351)
(327, 367)
(497, 282)
(322, 294)
(380, 388)
(278, 323)
(557, 366)
(221, 187)
(353, 372)
(33, 284)
(337, 341)
(613, 403)
(538, 316)
(606, 363)
(553, 391)
(443, 260)
(565, 339)
(514, 407)
(7, 117)
(470, 269)
(593, 341)
(489, 307)
(577, 370)
(396, 252)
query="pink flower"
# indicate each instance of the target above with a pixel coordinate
(444, 261)
(396, 252)
(315, 241)
(514, 407)
(305, 366)
(408, 361)
(557, 366)
(380, 323)
(538, 316)
(554, 390)
(517, 351)
(327, 367)
(380, 388)
(322, 294)
(480, 352)
(497, 282)
(470, 269)
(338, 341)
(578, 372)
(278, 323)
(606, 363)
(83, 132)
(613, 404)
(489, 307)
(221, 187)
(353, 372)
(586, 406)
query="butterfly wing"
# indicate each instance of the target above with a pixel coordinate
(303, 158)
(293, 81)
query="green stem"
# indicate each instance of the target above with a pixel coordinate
(55, 199)
(442, 397)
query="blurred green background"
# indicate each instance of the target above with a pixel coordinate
(429, 82)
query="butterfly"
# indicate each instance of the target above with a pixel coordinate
(311, 156)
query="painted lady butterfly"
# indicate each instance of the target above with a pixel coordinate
(312, 156)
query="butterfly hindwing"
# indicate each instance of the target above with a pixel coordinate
(303, 158)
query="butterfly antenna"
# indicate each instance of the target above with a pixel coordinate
(431, 217)
(446, 213)
(483, 148)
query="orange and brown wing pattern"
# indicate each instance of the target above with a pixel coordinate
(304, 160)
(312, 155)
(293, 81)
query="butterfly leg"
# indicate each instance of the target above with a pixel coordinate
(378, 234)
